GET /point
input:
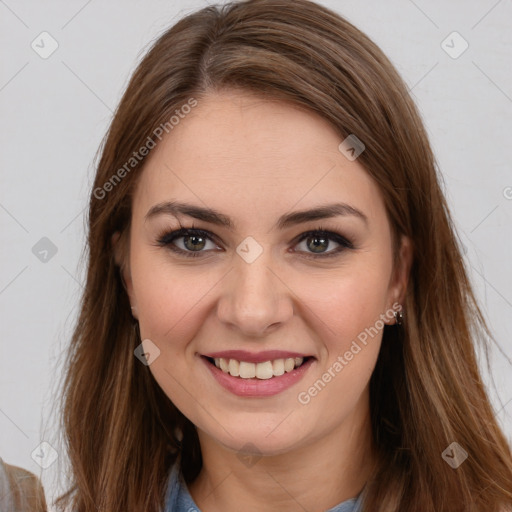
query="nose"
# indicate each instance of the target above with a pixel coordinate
(255, 299)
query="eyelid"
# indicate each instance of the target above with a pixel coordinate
(167, 237)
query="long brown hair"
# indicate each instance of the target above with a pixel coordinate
(426, 391)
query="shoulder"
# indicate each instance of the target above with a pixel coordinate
(24, 488)
(178, 498)
(172, 486)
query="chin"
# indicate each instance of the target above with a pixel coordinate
(258, 441)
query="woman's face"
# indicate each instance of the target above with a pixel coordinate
(252, 290)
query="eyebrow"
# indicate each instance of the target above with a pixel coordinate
(287, 220)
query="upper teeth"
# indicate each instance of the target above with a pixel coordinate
(265, 370)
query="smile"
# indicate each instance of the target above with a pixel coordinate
(263, 370)
(267, 376)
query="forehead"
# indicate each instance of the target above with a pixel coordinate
(237, 151)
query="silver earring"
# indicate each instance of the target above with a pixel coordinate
(399, 317)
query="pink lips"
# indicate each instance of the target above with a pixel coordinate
(257, 387)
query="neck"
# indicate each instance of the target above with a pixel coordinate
(315, 477)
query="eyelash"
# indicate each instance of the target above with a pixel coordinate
(166, 239)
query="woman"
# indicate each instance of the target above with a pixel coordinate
(276, 314)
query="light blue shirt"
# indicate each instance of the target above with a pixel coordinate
(178, 498)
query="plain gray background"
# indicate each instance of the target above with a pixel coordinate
(55, 111)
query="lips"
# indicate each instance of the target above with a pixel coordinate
(261, 365)
(263, 385)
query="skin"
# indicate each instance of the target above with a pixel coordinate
(254, 160)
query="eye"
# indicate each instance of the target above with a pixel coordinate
(319, 239)
(193, 241)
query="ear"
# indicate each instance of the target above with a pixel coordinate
(122, 258)
(400, 278)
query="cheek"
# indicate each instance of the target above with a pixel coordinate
(346, 304)
(171, 299)
(171, 308)
(345, 315)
